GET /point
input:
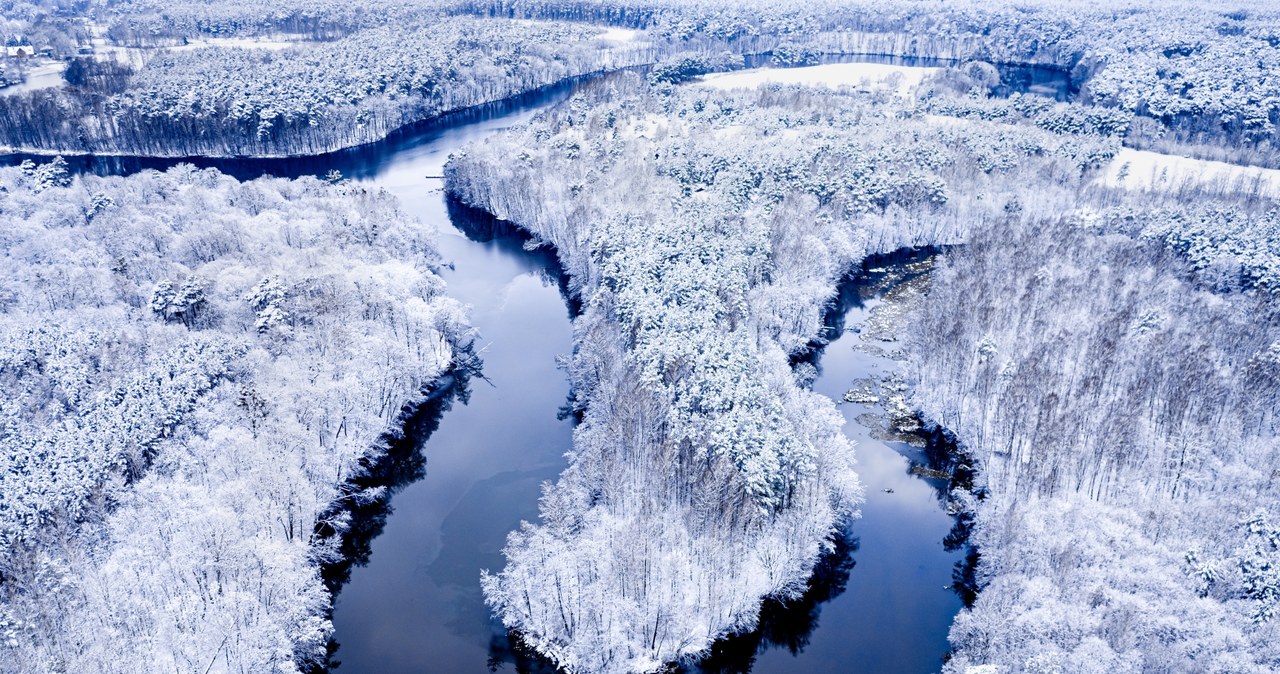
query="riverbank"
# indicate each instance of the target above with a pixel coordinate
(414, 595)
(489, 455)
(1103, 379)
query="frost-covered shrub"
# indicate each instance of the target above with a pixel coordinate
(688, 65)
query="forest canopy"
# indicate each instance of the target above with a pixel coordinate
(195, 369)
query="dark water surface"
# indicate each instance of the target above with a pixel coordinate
(412, 602)
(417, 606)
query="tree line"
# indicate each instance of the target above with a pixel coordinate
(311, 99)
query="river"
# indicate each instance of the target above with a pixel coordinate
(413, 602)
(417, 605)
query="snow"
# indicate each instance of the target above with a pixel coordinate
(241, 42)
(1144, 170)
(645, 126)
(138, 56)
(733, 131)
(619, 35)
(947, 120)
(43, 76)
(832, 75)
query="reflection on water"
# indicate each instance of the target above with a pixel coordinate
(416, 605)
(402, 465)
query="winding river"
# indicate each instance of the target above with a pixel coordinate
(884, 603)
(474, 460)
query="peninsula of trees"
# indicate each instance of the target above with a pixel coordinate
(705, 231)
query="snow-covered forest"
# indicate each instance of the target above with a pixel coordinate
(1013, 179)
(309, 99)
(1114, 370)
(197, 372)
(1202, 72)
(1201, 77)
(194, 368)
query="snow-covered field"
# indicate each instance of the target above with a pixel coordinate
(1143, 170)
(43, 76)
(137, 56)
(619, 35)
(834, 75)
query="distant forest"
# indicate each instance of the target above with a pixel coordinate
(1199, 78)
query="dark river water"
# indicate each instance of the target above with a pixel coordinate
(417, 606)
(472, 466)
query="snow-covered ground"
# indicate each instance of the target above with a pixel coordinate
(43, 76)
(619, 35)
(946, 120)
(137, 56)
(645, 126)
(242, 42)
(1143, 170)
(834, 75)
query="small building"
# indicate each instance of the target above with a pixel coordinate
(20, 51)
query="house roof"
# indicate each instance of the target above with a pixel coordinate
(26, 50)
